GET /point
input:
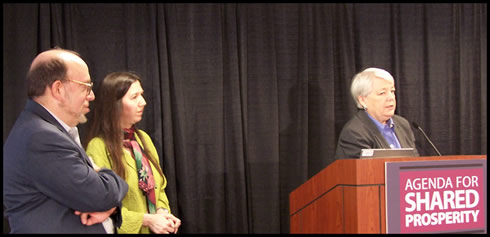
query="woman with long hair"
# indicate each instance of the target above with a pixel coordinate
(114, 142)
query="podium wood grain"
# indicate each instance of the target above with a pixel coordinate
(347, 196)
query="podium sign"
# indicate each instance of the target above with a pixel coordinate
(445, 196)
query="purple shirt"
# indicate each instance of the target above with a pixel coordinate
(388, 131)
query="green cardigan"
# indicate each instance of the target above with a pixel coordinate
(134, 204)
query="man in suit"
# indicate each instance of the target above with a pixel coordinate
(375, 125)
(49, 183)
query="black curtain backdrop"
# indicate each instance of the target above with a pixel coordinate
(246, 101)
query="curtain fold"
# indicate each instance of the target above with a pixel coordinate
(246, 101)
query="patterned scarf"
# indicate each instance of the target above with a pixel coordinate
(145, 176)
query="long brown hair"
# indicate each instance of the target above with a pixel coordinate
(103, 124)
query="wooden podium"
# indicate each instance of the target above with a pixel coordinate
(348, 196)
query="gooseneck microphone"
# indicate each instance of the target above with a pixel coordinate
(426, 137)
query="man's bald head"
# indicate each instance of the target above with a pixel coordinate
(48, 67)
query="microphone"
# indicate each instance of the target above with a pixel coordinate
(426, 137)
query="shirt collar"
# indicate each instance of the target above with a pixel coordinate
(63, 124)
(380, 126)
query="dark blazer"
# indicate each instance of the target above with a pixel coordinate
(47, 176)
(360, 132)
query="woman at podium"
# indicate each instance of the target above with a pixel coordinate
(375, 125)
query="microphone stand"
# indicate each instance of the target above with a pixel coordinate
(427, 138)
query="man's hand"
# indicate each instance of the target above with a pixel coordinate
(90, 218)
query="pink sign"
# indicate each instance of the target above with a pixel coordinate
(441, 200)
(436, 196)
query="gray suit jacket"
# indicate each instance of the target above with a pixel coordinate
(361, 133)
(47, 176)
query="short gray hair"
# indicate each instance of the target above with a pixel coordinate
(362, 83)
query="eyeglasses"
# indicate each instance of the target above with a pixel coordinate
(88, 85)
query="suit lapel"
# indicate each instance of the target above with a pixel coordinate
(400, 133)
(373, 129)
(39, 110)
